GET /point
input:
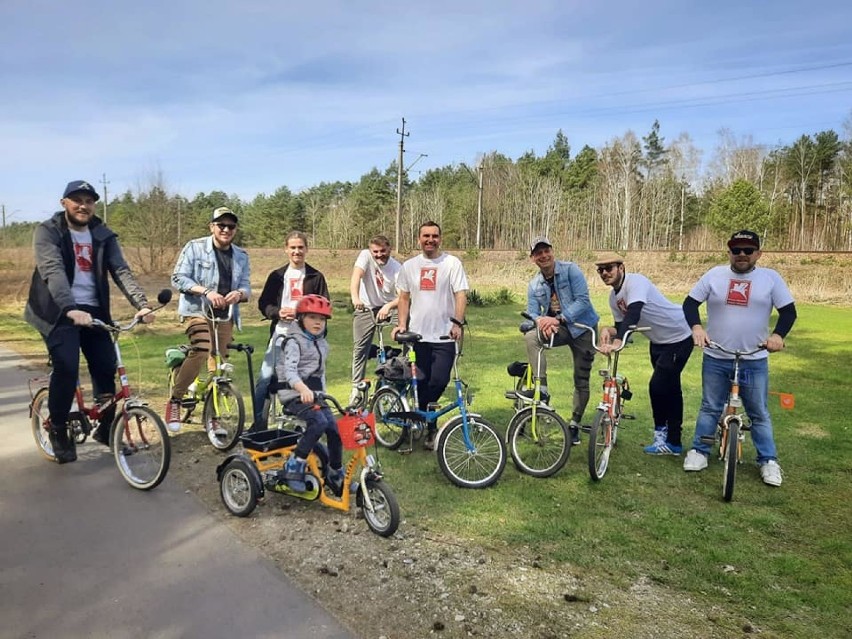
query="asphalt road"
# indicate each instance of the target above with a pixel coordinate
(82, 554)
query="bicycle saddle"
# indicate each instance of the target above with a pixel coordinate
(407, 337)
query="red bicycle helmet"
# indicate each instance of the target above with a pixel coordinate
(314, 304)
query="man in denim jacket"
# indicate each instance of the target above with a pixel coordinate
(557, 297)
(214, 269)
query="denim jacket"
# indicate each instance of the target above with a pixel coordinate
(572, 291)
(197, 266)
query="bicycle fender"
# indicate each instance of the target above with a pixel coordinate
(254, 473)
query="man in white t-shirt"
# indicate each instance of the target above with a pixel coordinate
(432, 297)
(740, 298)
(76, 254)
(372, 288)
(635, 301)
(283, 289)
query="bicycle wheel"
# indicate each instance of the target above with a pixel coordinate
(390, 431)
(223, 416)
(731, 440)
(384, 518)
(237, 487)
(478, 467)
(40, 425)
(601, 440)
(541, 451)
(141, 445)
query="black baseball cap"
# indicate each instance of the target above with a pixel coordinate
(81, 186)
(745, 237)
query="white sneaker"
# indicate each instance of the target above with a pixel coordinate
(770, 472)
(354, 396)
(694, 461)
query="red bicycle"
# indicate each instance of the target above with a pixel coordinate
(138, 437)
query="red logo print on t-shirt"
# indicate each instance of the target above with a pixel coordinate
(428, 277)
(621, 305)
(380, 280)
(738, 292)
(295, 290)
(83, 255)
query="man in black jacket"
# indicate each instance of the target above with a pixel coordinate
(284, 288)
(74, 253)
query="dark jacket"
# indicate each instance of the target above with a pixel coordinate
(50, 296)
(270, 298)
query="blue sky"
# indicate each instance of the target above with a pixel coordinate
(248, 96)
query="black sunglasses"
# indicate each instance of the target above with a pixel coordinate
(226, 227)
(747, 250)
(606, 268)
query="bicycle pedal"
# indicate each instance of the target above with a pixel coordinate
(405, 451)
(626, 416)
(708, 440)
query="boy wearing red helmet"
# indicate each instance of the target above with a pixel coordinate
(303, 369)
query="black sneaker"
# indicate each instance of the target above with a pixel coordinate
(101, 435)
(544, 396)
(64, 449)
(575, 435)
(429, 442)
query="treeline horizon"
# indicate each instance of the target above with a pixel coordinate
(630, 194)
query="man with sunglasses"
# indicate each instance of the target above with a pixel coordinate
(740, 298)
(214, 269)
(634, 300)
(557, 297)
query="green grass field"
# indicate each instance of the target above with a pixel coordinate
(781, 558)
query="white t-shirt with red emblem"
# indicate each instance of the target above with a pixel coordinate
(84, 290)
(739, 306)
(378, 285)
(432, 285)
(291, 293)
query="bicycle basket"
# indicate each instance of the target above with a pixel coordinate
(517, 369)
(357, 431)
(176, 355)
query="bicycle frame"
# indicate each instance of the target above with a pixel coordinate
(604, 430)
(731, 424)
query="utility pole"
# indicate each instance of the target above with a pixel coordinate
(402, 135)
(106, 196)
(479, 207)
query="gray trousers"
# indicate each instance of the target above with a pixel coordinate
(584, 357)
(363, 330)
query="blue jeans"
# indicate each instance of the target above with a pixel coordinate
(319, 421)
(754, 391)
(267, 373)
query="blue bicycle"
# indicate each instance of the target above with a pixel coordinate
(471, 453)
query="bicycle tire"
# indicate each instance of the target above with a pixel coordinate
(38, 421)
(731, 457)
(228, 421)
(389, 433)
(602, 436)
(479, 468)
(545, 452)
(237, 487)
(384, 518)
(141, 446)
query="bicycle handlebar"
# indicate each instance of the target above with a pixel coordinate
(630, 330)
(163, 298)
(209, 311)
(735, 353)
